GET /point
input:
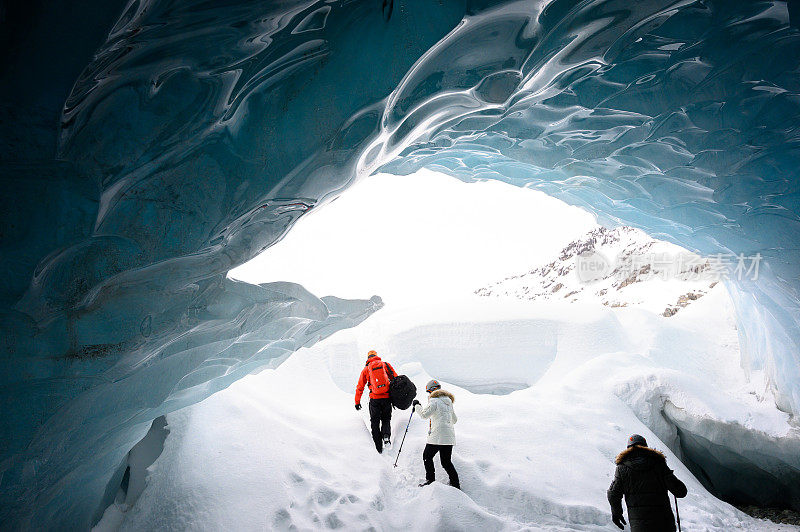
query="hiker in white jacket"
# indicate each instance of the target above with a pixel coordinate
(441, 432)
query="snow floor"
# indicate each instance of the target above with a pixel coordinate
(546, 397)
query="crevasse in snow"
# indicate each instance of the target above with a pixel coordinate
(192, 135)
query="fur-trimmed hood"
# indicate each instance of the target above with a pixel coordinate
(443, 393)
(442, 416)
(639, 457)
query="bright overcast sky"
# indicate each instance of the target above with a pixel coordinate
(418, 237)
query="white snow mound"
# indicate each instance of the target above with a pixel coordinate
(546, 396)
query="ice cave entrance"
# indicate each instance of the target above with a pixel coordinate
(510, 248)
(492, 290)
(458, 238)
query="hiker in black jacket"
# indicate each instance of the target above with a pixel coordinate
(643, 477)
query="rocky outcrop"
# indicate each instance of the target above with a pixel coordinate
(621, 267)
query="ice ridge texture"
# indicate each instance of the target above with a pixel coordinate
(148, 147)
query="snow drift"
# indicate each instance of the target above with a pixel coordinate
(192, 135)
(285, 450)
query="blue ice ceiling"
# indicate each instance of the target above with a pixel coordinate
(149, 147)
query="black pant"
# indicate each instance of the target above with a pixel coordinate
(380, 417)
(445, 453)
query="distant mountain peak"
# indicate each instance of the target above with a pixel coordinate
(620, 267)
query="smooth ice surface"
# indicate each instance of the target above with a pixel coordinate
(230, 329)
(676, 117)
(148, 147)
(536, 459)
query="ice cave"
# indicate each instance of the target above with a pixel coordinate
(150, 147)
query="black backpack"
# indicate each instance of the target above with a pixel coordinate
(402, 392)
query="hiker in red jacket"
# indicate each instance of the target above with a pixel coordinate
(377, 374)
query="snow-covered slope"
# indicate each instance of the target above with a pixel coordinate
(284, 449)
(618, 267)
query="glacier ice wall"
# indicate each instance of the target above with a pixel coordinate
(680, 118)
(101, 398)
(149, 146)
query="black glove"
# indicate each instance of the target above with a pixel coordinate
(358, 406)
(619, 521)
(414, 403)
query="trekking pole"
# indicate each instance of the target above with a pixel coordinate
(404, 437)
(677, 513)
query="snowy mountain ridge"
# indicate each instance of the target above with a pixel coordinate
(618, 267)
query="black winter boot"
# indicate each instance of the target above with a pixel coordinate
(426, 483)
